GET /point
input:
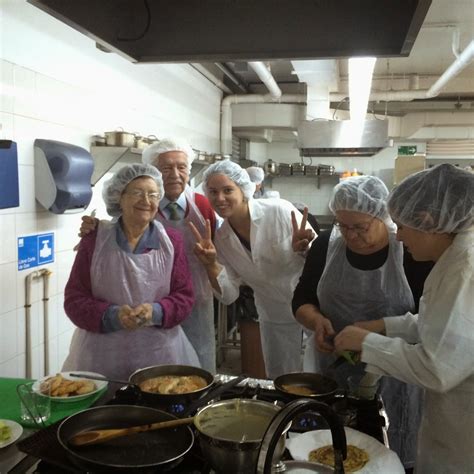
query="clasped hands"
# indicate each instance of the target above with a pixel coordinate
(135, 318)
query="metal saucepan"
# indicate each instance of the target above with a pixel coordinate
(155, 451)
(319, 386)
(230, 433)
(158, 370)
(120, 138)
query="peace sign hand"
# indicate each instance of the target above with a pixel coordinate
(301, 236)
(204, 248)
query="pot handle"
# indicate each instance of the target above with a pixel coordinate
(287, 414)
(212, 393)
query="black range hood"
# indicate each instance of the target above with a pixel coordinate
(226, 30)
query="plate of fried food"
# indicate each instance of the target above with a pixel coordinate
(62, 387)
(365, 455)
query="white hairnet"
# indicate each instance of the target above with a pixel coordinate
(150, 154)
(115, 186)
(256, 174)
(438, 200)
(365, 194)
(234, 172)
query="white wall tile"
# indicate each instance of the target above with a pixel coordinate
(6, 86)
(27, 189)
(6, 126)
(8, 290)
(25, 100)
(13, 368)
(8, 348)
(8, 248)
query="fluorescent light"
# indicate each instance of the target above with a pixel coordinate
(360, 82)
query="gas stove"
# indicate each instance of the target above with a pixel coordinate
(367, 416)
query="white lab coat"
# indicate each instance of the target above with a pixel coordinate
(435, 349)
(272, 270)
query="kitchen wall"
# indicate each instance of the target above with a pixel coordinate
(54, 84)
(307, 189)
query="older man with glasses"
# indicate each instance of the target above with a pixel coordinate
(359, 271)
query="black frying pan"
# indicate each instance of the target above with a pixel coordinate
(155, 451)
(322, 387)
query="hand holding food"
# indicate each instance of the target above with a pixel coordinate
(350, 338)
(58, 386)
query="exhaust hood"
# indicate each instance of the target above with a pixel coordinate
(342, 137)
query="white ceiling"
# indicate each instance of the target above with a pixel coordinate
(431, 55)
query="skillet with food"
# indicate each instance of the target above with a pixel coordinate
(306, 385)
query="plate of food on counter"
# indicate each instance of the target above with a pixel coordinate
(65, 388)
(365, 455)
(10, 431)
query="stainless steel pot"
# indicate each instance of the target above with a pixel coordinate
(231, 431)
(271, 168)
(120, 138)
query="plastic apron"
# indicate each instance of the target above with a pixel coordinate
(347, 294)
(199, 325)
(125, 278)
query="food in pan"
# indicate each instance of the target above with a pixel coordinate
(298, 390)
(173, 384)
(356, 459)
(58, 386)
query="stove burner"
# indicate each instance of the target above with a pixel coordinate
(368, 419)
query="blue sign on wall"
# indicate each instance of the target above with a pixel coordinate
(35, 250)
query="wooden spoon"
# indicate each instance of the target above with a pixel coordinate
(87, 438)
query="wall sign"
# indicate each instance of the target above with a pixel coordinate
(34, 250)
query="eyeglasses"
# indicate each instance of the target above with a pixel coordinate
(139, 194)
(358, 228)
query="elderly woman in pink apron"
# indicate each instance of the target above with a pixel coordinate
(130, 285)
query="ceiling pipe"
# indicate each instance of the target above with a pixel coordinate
(464, 59)
(266, 77)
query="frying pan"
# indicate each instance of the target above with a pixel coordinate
(322, 386)
(156, 451)
(141, 375)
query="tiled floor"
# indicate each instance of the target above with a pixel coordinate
(230, 364)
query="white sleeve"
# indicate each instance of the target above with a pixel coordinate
(405, 326)
(444, 357)
(229, 283)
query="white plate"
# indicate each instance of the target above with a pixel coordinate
(16, 431)
(99, 384)
(381, 459)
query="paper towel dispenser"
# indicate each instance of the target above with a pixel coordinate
(62, 176)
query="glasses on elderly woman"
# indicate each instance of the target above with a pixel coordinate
(362, 228)
(140, 194)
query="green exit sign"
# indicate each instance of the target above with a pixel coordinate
(407, 150)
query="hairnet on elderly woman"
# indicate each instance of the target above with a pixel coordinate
(234, 172)
(150, 154)
(365, 194)
(438, 200)
(115, 186)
